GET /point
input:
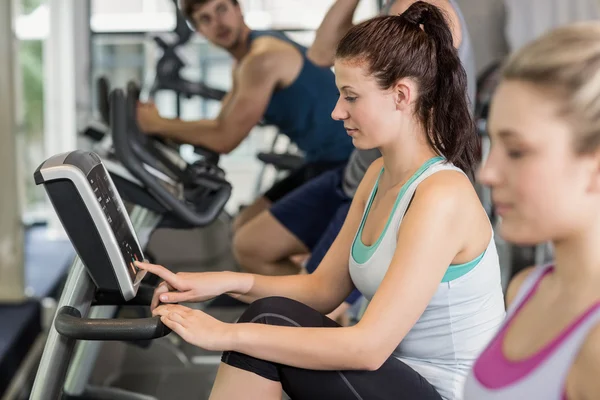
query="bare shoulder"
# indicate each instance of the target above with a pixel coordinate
(583, 382)
(515, 284)
(448, 187)
(271, 55)
(373, 172)
(258, 66)
(271, 47)
(448, 200)
(258, 60)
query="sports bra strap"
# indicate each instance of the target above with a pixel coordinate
(441, 165)
(527, 286)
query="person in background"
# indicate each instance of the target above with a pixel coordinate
(275, 80)
(544, 172)
(417, 243)
(307, 220)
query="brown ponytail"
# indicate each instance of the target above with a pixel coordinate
(418, 44)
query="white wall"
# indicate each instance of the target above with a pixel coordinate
(485, 19)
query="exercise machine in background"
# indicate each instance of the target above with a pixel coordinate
(169, 66)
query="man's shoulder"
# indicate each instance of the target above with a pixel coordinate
(268, 55)
(272, 46)
(259, 61)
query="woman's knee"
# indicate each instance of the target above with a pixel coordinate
(282, 311)
(258, 310)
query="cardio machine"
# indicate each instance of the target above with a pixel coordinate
(169, 66)
(94, 216)
(148, 213)
(168, 77)
(200, 189)
(97, 128)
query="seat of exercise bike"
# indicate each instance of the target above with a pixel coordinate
(281, 161)
(209, 155)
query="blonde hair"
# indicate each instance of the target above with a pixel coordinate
(567, 62)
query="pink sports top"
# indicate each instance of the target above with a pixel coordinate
(541, 376)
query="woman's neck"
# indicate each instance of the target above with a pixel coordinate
(577, 259)
(403, 157)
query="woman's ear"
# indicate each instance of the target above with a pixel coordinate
(404, 91)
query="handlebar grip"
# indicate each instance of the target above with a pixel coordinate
(69, 323)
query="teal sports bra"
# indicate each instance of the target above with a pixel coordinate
(361, 253)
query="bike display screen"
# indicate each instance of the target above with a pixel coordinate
(116, 217)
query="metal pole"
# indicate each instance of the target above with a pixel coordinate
(12, 277)
(50, 377)
(60, 118)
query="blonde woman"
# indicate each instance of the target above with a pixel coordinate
(544, 170)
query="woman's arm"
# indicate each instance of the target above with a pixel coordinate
(323, 291)
(431, 235)
(326, 288)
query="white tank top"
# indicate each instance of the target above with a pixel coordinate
(463, 314)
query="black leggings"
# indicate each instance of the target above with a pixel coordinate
(394, 380)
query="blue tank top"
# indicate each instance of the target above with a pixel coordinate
(302, 111)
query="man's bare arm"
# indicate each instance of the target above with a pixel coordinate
(338, 21)
(243, 108)
(334, 26)
(399, 6)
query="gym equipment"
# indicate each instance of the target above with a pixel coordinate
(203, 191)
(133, 93)
(148, 214)
(162, 166)
(168, 77)
(95, 219)
(486, 85)
(96, 130)
(103, 88)
(282, 162)
(169, 66)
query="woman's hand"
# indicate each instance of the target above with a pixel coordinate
(196, 327)
(185, 286)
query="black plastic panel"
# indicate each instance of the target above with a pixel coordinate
(82, 232)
